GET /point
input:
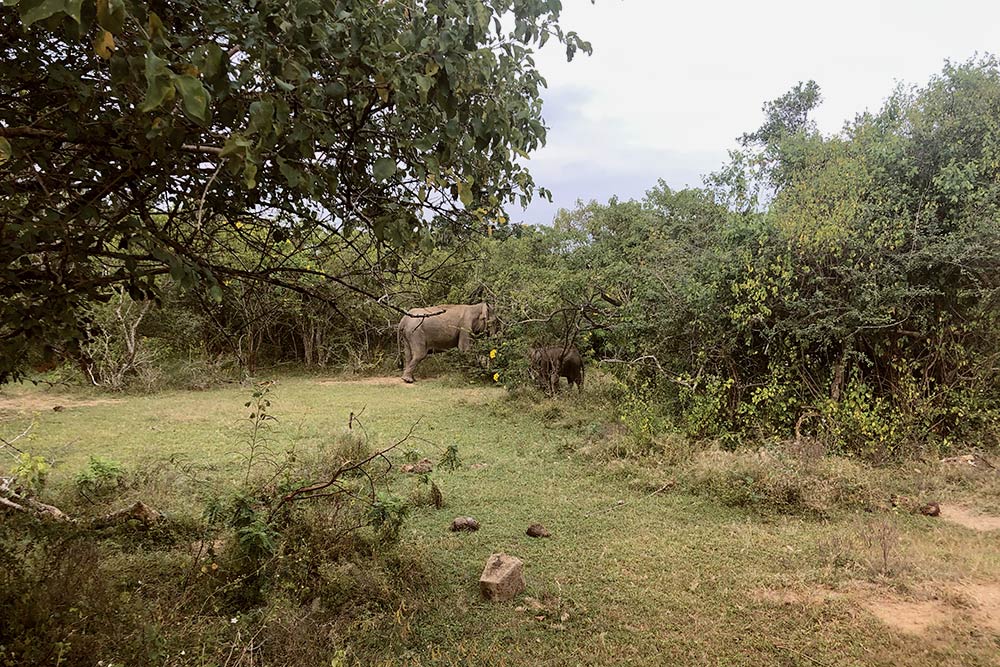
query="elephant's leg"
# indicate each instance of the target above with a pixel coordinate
(464, 341)
(414, 355)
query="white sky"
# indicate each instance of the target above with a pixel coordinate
(671, 85)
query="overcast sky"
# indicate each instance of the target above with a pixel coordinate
(672, 84)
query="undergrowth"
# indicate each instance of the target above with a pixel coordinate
(242, 571)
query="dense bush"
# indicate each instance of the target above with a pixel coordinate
(843, 287)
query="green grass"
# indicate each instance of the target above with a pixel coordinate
(628, 577)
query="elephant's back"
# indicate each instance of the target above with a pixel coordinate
(416, 317)
(429, 310)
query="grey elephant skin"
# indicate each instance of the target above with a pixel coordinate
(439, 328)
(555, 361)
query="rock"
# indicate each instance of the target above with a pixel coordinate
(502, 578)
(466, 523)
(477, 466)
(537, 530)
(207, 548)
(420, 467)
(930, 509)
(58, 408)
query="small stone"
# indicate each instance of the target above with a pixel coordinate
(537, 530)
(464, 523)
(502, 578)
(420, 467)
(477, 466)
(930, 509)
(58, 408)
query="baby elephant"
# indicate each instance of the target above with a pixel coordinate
(550, 363)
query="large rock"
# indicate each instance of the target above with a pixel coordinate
(502, 578)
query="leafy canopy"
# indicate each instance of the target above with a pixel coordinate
(138, 139)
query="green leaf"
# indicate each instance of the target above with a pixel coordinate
(384, 168)
(158, 82)
(261, 116)
(464, 193)
(194, 97)
(156, 30)
(211, 63)
(236, 144)
(32, 12)
(104, 44)
(111, 15)
(73, 9)
(250, 175)
(6, 152)
(291, 174)
(336, 89)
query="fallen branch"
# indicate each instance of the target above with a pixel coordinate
(311, 490)
(13, 500)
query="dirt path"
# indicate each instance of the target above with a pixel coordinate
(970, 518)
(29, 402)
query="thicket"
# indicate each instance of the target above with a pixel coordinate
(842, 287)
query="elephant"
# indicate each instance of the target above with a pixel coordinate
(554, 361)
(437, 328)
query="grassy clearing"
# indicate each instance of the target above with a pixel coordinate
(689, 575)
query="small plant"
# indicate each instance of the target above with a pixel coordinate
(882, 540)
(258, 422)
(387, 514)
(100, 477)
(31, 472)
(450, 460)
(426, 492)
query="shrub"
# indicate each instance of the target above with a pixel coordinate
(100, 477)
(776, 482)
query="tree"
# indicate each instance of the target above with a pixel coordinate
(139, 139)
(787, 115)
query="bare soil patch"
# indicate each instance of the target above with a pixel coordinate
(969, 518)
(987, 602)
(37, 402)
(909, 616)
